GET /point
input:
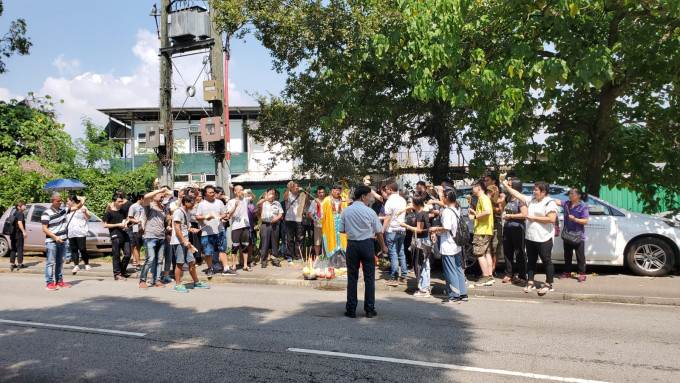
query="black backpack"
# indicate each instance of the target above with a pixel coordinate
(9, 226)
(462, 235)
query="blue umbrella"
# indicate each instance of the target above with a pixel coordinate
(64, 184)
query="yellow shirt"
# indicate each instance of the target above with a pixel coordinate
(484, 225)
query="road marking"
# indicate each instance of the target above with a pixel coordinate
(77, 328)
(443, 365)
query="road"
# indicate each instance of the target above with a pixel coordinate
(259, 333)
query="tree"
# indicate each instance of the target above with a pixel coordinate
(598, 78)
(96, 147)
(14, 41)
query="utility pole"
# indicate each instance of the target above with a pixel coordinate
(222, 169)
(166, 150)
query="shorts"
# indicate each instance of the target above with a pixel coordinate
(239, 238)
(481, 244)
(136, 239)
(214, 242)
(182, 254)
(318, 236)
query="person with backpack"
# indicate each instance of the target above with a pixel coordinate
(453, 233)
(16, 229)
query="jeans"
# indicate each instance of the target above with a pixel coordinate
(155, 248)
(55, 261)
(454, 276)
(118, 244)
(424, 281)
(580, 257)
(67, 252)
(543, 250)
(360, 252)
(395, 244)
(17, 252)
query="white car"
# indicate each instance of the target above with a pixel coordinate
(646, 244)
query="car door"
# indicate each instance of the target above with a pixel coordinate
(601, 233)
(35, 239)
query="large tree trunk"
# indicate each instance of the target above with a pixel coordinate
(442, 158)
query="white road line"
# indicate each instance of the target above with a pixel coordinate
(443, 365)
(77, 328)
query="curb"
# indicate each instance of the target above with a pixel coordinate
(439, 292)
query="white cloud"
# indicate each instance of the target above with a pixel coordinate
(85, 92)
(66, 67)
(6, 95)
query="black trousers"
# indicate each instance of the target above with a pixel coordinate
(543, 250)
(78, 250)
(118, 244)
(269, 239)
(293, 239)
(360, 252)
(17, 243)
(580, 257)
(513, 251)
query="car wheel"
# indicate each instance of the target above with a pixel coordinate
(650, 257)
(4, 247)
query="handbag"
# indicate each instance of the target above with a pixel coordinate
(572, 237)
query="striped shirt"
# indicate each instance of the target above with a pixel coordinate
(56, 222)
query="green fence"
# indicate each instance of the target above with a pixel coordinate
(629, 200)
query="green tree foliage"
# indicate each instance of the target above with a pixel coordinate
(14, 41)
(598, 78)
(96, 148)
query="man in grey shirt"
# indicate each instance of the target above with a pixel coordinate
(360, 223)
(154, 237)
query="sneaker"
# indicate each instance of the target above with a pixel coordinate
(464, 298)
(392, 282)
(181, 289)
(582, 278)
(12, 267)
(229, 272)
(63, 284)
(168, 279)
(210, 273)
(370, 313)
(451, 300)
(482, 281)
(51, 287)
(201, 285)
(290, 260)
(489, 281)
(75, 269)
(565, 276)
(22, 266)
(88, 268)
(119, 277)
(403, 280)
(276, 262)
(422, 294)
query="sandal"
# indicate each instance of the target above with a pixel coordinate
(247, 268)
(529, 287)
(545, 289)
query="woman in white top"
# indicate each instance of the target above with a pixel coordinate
(540, 231)
(77, 230)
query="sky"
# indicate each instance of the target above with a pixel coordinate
(104, 54)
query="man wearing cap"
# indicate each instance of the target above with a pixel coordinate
(361, 224)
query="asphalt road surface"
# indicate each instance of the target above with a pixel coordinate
(105, 331)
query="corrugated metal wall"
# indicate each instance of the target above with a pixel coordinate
(628, 200)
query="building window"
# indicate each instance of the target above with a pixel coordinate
(198, 146)
(209, 178)
(197, 178)
(181, 178)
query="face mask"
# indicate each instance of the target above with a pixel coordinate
(165, 201)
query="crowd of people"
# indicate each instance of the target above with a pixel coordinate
(184, 229)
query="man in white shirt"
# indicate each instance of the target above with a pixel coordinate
(272, 214)
(209, 214)
(237, 213)
(395, 234)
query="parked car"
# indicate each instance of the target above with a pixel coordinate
(647, 245)
(98, 239)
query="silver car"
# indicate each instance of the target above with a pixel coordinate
(98, 239)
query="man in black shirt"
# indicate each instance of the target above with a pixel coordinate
(18, 236)
(116, 222)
